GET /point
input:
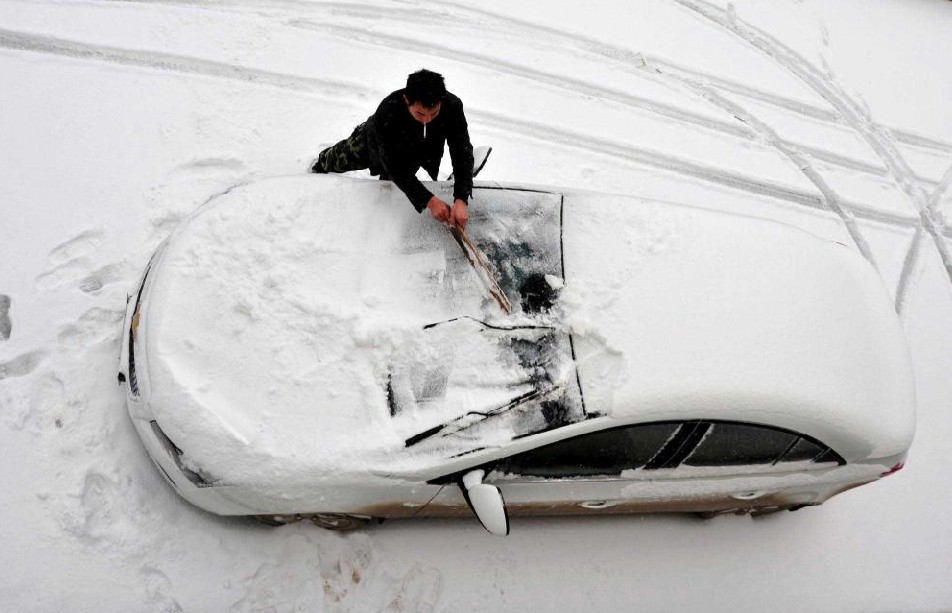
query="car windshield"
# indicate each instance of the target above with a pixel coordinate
(480, 377)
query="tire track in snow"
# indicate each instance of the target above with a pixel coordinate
(577, 86)
(620, 57)
(653, 158)
(189, 65)
(911, 260)
(769, 136)
(186, 64)
(936, 197)
(800, 108)
(874, 135)
(845, 162)
(592, 89)
(157, 60)
(909, 265)
(588, 88)
(787, 148)
(665, 162)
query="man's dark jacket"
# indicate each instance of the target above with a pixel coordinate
(397, 147)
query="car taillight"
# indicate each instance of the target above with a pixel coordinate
(894, 469)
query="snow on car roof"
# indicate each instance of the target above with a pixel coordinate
(700, 313)
(305, 327)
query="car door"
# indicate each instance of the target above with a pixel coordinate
(574, 475)
(580, 474)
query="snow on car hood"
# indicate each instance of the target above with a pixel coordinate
(288, 320)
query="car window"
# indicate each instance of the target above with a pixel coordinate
(733, 444)
(828, 455)
(685, 440)
(695, 443)
(607, 452)
(803, 450)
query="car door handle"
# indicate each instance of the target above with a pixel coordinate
(599, 504)
(749, 495)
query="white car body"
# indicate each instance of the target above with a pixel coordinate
(313, 346)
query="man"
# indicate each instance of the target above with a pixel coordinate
(408, 131)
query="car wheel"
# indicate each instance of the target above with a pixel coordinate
(797, 507)
(340, 521)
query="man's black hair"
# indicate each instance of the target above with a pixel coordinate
(425, 87)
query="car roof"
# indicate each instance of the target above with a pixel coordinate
(719, 314)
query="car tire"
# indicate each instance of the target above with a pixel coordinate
(340, 521)
(765, 511)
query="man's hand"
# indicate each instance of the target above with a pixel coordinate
(439, 209)
(459, 215)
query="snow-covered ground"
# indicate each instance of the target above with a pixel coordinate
(119, 118)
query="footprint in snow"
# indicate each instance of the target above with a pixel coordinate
(419, 592)
(212, 164)
(68, 272)
(77, 247)
(98, 279)
(341, 572)
(94, 327)
(46, 407)
(159, 589)
(98, 506)
(6, 326)
(71, 264)
(21, 365)
(288, 581)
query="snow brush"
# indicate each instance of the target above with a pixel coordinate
(481, 266)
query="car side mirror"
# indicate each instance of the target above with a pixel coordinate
(486, 502)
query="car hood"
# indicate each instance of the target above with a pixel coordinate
(310, 326)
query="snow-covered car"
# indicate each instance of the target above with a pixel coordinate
(311, 347)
